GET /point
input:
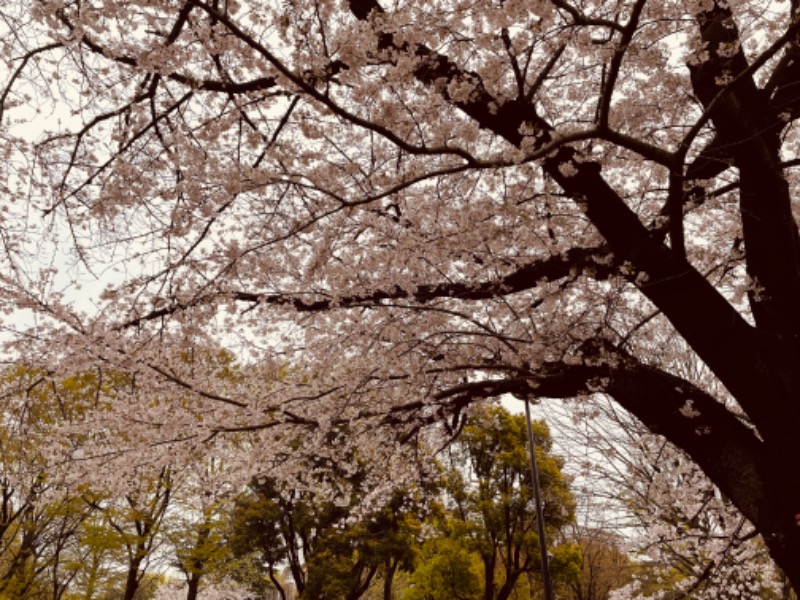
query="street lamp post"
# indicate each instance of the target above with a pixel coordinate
(537, 495)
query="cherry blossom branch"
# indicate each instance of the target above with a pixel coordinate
(579, 18)
(604, 107)
(188, 386)
(713, 328)
(740, 114)
(210, 85)
(732, 80)
(596, 262)
(18, 71)
(308, 87)
(724, 447)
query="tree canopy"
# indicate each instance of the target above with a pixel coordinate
(490, 497)
(491, 511)
(330, 551)
(392, 211)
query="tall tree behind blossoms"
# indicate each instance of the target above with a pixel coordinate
(490, 503)
(410, 207)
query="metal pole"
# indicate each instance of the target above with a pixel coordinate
(537, 495)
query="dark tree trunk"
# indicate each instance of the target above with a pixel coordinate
(193, 586)
(388, 580)
(132, 581)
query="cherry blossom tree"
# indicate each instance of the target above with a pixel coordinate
(663, 509)
(391, 211)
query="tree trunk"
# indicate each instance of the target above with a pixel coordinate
(276, 583)
(388, 580)
(132, 582)
(193, 586)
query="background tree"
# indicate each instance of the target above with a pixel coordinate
(490, 502)
(133, 522)
(428, 204)
(63, 542)
(604, 565)
(40, 524)
(200, 548)
(447, 568)
(332, 552)
(197, 525)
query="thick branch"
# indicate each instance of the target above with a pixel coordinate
(741, 117)
(596, 262)
(713, 328)
(726, 449)
(211, 85)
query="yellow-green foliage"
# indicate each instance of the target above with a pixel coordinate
(446, 568)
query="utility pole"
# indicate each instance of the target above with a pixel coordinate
(537, 495)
